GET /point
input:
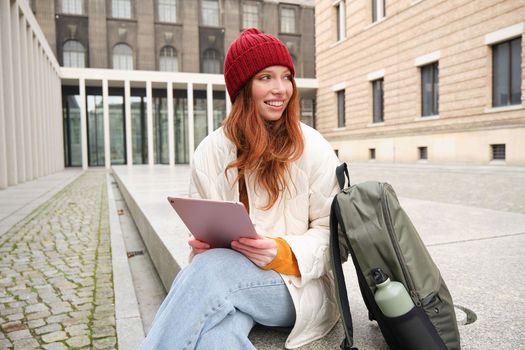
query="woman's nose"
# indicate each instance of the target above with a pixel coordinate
(278, 86)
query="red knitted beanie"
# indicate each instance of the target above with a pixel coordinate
(251, 52)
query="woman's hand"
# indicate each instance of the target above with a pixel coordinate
(261, 251)
(197, 246)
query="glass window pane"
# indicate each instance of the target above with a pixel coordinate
(219, 108)
(426, 90)
(515, 71)
(73, 7)
(121, 8)
(288, 20)
(211, 62)
(180, 106)
(160, 130)
(341, 109)
(122, 57)
(168, 11)
(116, 129)
(210, 13)
(95, 121)
(73, 54)
(72, 137)
(200, 118)
(139, 136)
(168, 59)
(250, 15)
(501, 81)
(378, 100)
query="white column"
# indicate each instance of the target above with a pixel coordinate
(171, 133)
(3, 146)
(24, 42)
(34, 102)
(151, 161)
(45, 114)
(9, 99)
(40, 106)
(209, 101)
(19, 108)
(83, 122)
(191, 132)
(228, 104)
(129, 126)
(107, 145)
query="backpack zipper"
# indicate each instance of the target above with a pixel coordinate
(391, 233)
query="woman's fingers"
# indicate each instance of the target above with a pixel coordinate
(259, 243)
(195, 243)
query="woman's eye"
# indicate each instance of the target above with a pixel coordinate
(288, 77)
(264, 77)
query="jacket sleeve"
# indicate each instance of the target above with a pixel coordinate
(311, 248)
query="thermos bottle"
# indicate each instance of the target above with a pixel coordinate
(391, 296)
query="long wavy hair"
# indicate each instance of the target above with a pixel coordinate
(265, 148)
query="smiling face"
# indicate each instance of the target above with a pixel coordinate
(272, 89)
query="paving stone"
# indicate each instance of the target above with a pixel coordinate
(12, 326)
(36, 323)
(15, 317)
(78, 341)
(21, 334)
(54, 337)
(36, 308)
(104, 343)
(11, 311)
(26, 344)
(58, 318)
(48, 328)
(101, 332)
(55, 346)
(38, 315)
(76, 330)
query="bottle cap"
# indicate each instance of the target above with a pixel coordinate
(379, 276)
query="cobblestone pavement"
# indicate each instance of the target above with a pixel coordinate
(56, 289)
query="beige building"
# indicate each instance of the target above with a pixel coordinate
(427, 80)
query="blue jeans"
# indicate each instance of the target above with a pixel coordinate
(216, 300)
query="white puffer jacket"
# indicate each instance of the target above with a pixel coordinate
(300, 216)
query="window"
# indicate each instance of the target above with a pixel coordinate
(168, 61)
(122, 57)
(372, 153)
(498, 151)
(288, 21)
(74, 54)
(341, 20)
(423, 153)
(72, 7)
(430, 89)
(168, 10)
(377, 87)
(121, 8)
(250, 15)
(378, 10)
(211, 62)
(341, 118)
(506, 73)
(210, 13)
(308, 111)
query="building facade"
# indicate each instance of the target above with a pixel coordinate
(171, 36)
(422, 80)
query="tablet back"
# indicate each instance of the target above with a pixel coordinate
(215, 222)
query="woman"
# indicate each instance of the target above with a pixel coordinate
(283, 172)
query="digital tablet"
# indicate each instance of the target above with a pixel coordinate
(214, 222)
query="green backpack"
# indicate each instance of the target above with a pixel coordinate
(367, 222)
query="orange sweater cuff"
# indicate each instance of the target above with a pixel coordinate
(285, 261)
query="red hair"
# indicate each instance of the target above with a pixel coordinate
(264, 148)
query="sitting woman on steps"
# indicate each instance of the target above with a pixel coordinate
(283, 172)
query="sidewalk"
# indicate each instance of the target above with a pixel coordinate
(56, 288)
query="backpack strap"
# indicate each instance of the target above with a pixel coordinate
(340, 285)
(340, 172)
